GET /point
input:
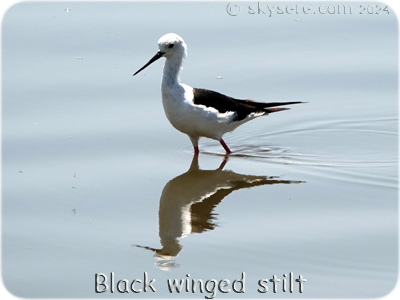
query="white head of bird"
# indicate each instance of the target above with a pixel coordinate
(172, 45)
(173, 48)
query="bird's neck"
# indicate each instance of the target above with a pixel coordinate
(172, 67)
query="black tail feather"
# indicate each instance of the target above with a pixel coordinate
(262, 105)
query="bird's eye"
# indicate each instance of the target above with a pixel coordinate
(171, 46)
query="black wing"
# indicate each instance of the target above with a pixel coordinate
(242, 108)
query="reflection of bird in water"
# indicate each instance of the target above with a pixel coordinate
(187, 203)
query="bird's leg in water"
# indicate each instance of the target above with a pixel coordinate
(225, 146)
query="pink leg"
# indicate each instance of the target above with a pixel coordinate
(196, 150)
(225, 146)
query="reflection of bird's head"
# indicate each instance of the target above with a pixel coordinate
(165, 255)
(168, 251)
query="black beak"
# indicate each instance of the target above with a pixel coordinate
(155, 57)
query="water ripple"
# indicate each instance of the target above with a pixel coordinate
(365, 143)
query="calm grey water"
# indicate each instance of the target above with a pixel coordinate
(95, 179)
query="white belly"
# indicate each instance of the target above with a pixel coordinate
(195, 120)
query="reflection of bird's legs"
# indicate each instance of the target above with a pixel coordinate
(223, 162)
(195, 163)
(194, 166)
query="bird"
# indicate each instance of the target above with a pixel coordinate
(200, 112)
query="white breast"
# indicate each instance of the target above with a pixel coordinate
(194, 120)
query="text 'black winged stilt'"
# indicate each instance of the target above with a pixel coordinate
(199, 112)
